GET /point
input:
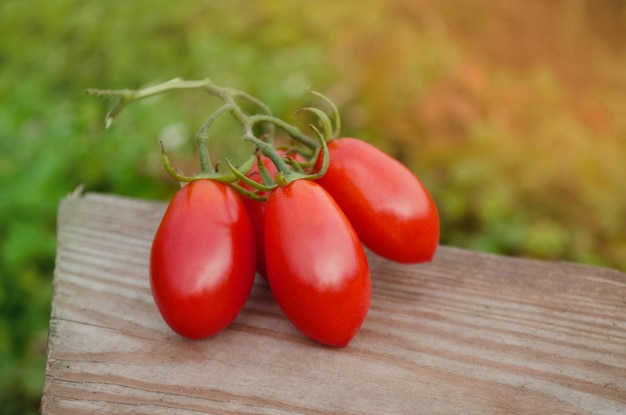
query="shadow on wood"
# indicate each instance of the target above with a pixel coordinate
(468, 333)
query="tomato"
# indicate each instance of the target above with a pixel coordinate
(390, 209)
(256, 209)
(203, 259)
(316, 267)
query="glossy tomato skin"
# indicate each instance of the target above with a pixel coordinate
(256, 209)
(390, 209)
(316, 266)
(203, 259)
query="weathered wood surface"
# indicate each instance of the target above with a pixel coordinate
(468, 333)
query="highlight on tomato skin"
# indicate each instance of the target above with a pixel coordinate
(203, 259)
(310, 232)
(391, 210)
(317, 269)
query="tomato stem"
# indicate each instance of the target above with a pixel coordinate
(126, 96)
(236, 93)
(292, 130)
(336, 126)
(202, 137)
(242, 177)
(169, 169)
(287, 170)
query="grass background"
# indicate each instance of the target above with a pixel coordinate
(512, 113)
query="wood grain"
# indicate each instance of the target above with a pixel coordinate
(468, 333)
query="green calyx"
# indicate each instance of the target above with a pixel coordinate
(296, 163)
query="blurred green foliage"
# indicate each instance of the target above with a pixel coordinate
(512, 114)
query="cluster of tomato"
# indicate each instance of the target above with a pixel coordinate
(301, 222)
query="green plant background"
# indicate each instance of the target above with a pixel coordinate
(512, 113)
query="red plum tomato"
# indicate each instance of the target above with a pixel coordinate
(256, 209)
(392, 212)
(316, 267)
(203, 259)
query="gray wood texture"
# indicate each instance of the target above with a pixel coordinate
(468, 333)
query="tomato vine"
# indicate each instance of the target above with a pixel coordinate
(298, 216)
(287, 170)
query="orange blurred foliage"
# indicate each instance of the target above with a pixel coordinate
(512, 112)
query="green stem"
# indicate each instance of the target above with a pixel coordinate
(269, 127)
(292, 130)
(202, 137)
(126, 96)
(248, 122)
(327, 128)
(169, 169)
(173, 84)
(241, 176)
(266, 149)
(336, 126)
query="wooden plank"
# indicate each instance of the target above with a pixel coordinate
(468, 333)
